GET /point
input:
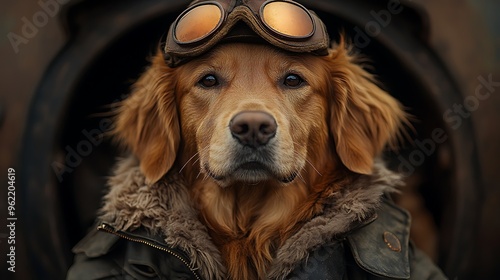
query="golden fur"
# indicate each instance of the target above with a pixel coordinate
(330, 129)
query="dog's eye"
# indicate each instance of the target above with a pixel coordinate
(293, 81)
(208, 81)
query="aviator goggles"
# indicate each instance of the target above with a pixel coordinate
(283, 23)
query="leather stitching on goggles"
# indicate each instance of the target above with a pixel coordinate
(176, 52)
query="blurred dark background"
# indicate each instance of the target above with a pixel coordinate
(63, 62)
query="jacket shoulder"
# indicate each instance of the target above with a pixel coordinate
(94, 257)
(104, 254)
(383, 247)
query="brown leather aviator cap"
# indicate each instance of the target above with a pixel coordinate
(284, 24)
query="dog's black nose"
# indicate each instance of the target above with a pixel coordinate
(253, 128)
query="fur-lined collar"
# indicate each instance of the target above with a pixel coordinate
(165, 209)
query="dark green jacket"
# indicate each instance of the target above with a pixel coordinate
(361, 235)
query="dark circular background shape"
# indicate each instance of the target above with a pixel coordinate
(64, 171)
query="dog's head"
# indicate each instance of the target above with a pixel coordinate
(251, 112)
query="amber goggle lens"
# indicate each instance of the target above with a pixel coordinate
(198, 23)
(287, 19)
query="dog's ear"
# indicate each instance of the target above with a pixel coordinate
(363, 117)
(147, 121)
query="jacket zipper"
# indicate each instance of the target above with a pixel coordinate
(109, 229)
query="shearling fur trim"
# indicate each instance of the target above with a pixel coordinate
(165, 208)
(347, 207)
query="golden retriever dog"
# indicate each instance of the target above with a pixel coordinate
(262, 137)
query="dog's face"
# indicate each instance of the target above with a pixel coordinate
(248, 114)
(251, 113)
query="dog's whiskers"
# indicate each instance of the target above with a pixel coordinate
(301, 178)
(190, 159)
(313, 167)
(185, 164)
(194, 162)
(205, 177)
(307, 161)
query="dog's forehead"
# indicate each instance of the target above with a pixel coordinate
(245, 54)
(252, 60)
